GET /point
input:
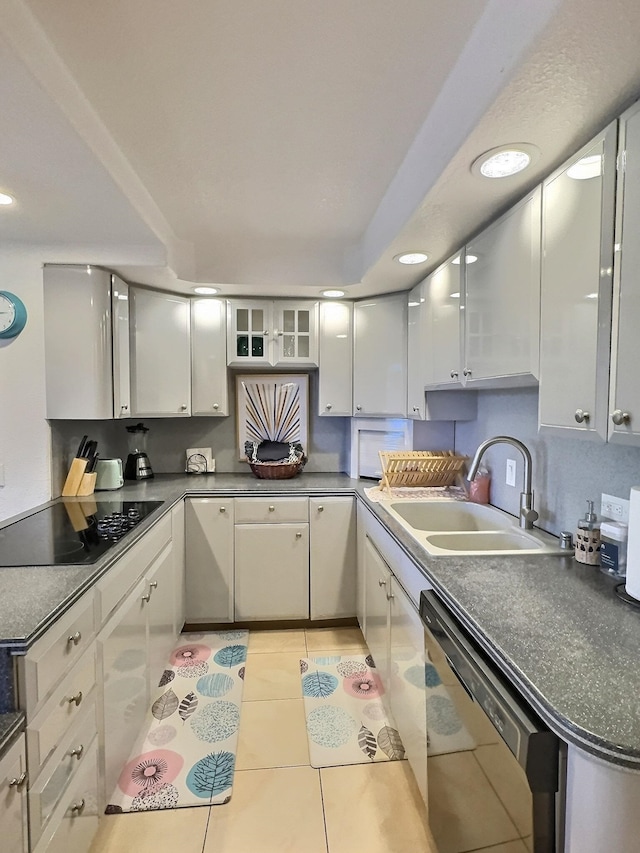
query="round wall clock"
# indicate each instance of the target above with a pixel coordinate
(13, 315)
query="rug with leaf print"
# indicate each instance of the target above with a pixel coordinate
(186, 752)
(347, 721)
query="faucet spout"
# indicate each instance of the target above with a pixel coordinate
(527, 513)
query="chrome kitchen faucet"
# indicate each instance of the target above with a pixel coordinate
(527, 513)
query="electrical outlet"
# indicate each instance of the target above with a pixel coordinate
(511, 472)
(614, 508)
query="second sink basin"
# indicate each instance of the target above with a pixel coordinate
(494, 542)
(451, 515)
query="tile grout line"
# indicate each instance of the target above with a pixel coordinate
(324, 815)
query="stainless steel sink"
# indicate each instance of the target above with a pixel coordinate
(456, 527)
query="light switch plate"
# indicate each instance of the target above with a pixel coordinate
(511, 472)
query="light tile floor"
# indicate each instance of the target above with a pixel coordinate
(280, 804)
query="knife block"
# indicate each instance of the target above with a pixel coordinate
(87, 484)
(74, 477)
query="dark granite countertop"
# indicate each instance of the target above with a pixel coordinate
(10, 725)
(554, 627)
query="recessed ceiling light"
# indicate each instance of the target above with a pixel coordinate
(411, 257)
(6, 199)
(205, 291)
(333, 294)
(468, 259)
(585, 168)
(505, 161)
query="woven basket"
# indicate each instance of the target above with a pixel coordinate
(277, 470)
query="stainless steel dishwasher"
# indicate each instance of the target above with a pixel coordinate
(496, 772)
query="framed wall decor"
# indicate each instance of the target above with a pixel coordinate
(272, 408)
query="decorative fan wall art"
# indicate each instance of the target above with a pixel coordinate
(272, 408)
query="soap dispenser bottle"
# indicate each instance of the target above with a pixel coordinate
(587, 543)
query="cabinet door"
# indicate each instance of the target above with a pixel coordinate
(13, 799)
(380, 356)
(122, 680)
(77, 339)
(335, 394)
(575, 323)
(271, 571)
(160, 354)
(295, 333)
(377, 587)
(624, 408)
(161, 589)
(249, 332)
(417, 336)
(502, 299)
(178, 552)
(444, 300)
(209, 357)
(209, 558)
(332, 558)
(408, 690)
(121, 360)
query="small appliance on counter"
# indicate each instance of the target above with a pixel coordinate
(109, 475)
(138, 466)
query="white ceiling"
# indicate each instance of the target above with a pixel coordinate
(278, 148)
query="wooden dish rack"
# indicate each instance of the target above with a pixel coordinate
(421, 468)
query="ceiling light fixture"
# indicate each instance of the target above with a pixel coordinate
(333, 294)
(205, 291)
(468, 259)
(505, 160)
(411, 257)
(6, 199)
(585, 168)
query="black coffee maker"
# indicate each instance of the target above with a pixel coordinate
(138, 466)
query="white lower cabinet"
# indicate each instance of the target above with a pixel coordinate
(160, 614)
(178, 549)
(209, 556)
(332, 557)
(271, 571)
(13, 799)
(395, 637)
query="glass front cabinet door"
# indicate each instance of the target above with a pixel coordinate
(262, 332)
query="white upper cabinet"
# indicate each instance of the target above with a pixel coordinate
(272, 334)
(160, 354)
(335, 396)
(502, 299)
(418, 334)
(575, 323)
(380, 356)
(624, 405)
(443, 316)
(120, 332)
(209, 357)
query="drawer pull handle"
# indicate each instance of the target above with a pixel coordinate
(320, 508)
(77, 698)
(390, 595)
(77, 751)
(328, 407)
(183, 407)
(216, 406)
(382, 583)
(18, 781)
(147, 597)
(298, 535)
(74, 639)
(153, 585)
(77, 807)
(272, 508)
(223, 509)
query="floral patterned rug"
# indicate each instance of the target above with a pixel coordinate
(185, 755)
(347, 722)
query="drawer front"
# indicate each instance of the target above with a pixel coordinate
(75, 820)
(113, 587)
(63, 710)
(54, 653)
(13, 799)
(276, 510)
(65, 763)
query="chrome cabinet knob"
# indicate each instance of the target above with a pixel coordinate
(146, 597)
(298, 535)
(153, 585)
(619, 417)
(223, 509)
(272, 508)
(74, 639)
(18, 781)
(216, 406)
(390, 595)
(358, 408)
(124, 408)
(581, 416)
(77, 751)
(382, 583)
(78, 807)
(320, 508)
(416, 408)
(466, 371)
(328, 407)
(183, 407)
(454, 374)
(77, 699)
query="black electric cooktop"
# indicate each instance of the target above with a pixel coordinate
(76, 532)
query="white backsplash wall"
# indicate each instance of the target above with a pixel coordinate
(566, 472)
